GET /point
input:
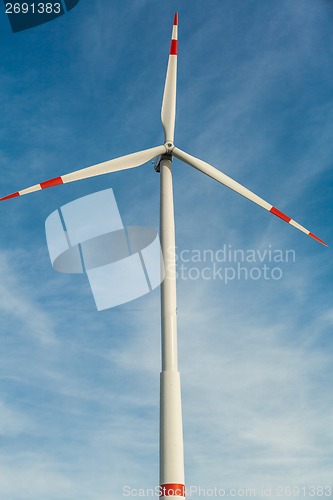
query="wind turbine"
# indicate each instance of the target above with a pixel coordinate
(171, 435)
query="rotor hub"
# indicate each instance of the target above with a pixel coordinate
(169, 147)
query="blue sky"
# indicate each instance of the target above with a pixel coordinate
(80, 388)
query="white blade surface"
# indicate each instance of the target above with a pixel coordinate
(168, 114)
(121, 163)
(235, 186)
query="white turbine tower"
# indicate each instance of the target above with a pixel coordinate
(171, 435)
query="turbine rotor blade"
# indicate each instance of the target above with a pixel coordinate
(168, 113)
(219, 176)
(122, 163)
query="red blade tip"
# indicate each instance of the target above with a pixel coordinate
(318, 239)
(13, 195)
(175, 20)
